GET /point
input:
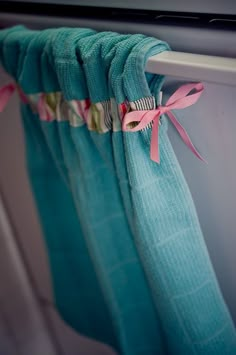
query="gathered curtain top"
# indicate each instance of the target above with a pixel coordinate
(81, 63)
(87, 77)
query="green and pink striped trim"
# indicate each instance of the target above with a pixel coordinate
(100, 117)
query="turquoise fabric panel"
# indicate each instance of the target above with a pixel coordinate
(95, 188)
(168, 237)
(173, 252)
(128, 260)
(77, 291)
(109, 239)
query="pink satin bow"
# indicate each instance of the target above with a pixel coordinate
(6, 93)
(180, 99)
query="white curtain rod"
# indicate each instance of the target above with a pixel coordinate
(194, 66)
(197, 67)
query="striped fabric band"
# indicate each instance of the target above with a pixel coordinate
(100, 117)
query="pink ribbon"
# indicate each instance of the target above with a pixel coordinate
(6, 93)
(180, 99)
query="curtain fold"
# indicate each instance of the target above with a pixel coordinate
(128, 260)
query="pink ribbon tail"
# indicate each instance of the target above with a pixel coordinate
(143, 118)
(184, 135)
(154, 148)
(6, 93)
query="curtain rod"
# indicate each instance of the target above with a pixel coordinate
(197, 67)
(194, 66)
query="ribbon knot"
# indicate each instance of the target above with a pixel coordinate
(179, 100)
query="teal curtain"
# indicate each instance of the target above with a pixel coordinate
(128, 261)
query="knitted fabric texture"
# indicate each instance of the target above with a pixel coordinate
(128, 260)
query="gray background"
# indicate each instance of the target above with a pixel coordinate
(201, 6)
